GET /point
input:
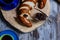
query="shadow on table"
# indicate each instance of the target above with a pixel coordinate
(9, 25)
(35, 32)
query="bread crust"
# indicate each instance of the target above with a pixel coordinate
(42, 3)
(24, 9)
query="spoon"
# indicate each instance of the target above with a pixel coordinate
(41, 15)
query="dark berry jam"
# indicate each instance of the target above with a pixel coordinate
(41, 16)
(7, 37)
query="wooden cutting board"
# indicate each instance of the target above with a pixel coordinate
(10, 16)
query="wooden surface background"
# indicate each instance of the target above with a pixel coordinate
(48, 31)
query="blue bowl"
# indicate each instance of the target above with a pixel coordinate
(8, 4)
(9, 33)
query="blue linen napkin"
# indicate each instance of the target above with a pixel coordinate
(46, 32)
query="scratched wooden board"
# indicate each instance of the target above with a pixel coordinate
(46, 32)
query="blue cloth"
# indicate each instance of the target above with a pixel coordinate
(46, 32)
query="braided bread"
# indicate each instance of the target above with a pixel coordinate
(24, 9)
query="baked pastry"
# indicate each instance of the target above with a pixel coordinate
(25, 9)
(24, 18)
(41, 3)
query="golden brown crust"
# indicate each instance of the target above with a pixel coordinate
(34, 1)
(25, 21)
(24, 9)
(26, 6)
(42, 3)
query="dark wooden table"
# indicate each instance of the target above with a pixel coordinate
(48, 31)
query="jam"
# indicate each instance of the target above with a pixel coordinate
(7, 37)
(40, 16)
